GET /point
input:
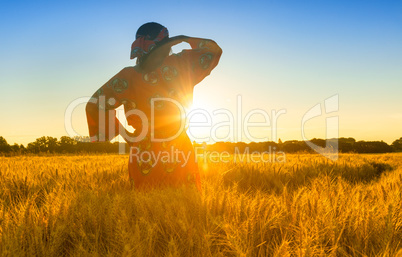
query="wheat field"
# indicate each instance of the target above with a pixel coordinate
(307, 206)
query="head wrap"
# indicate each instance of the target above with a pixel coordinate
(143, 45)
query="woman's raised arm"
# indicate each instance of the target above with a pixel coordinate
(202, 58)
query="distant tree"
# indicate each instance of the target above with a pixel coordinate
(43, 144)
(219, 147)
(67, 144)
(4, 146)
(82, 139)
(293, 146)
(15, 148)
(319, 142)
(372, 147)
(397, 144)
(346, 144)
(255, 147)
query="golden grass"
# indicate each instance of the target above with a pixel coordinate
(307, 206)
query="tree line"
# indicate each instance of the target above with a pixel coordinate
(66, 144)
(63, 145)
(344, 145)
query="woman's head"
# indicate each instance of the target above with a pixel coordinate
(147, 37)
(150, 30)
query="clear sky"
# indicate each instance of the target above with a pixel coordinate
(288, 55)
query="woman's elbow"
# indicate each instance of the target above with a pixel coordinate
(216, 48)
(219, 49)
(218, 52)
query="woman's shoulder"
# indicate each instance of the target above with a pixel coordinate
(131, 70)
(129, 73)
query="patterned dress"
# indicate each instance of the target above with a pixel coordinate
(164, 155)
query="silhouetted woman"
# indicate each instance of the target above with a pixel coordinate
(154, 93)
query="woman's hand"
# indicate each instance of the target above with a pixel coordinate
(164, 46)
(157, 55)
(178, 39)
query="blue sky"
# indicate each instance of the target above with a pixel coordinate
(277, 55)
